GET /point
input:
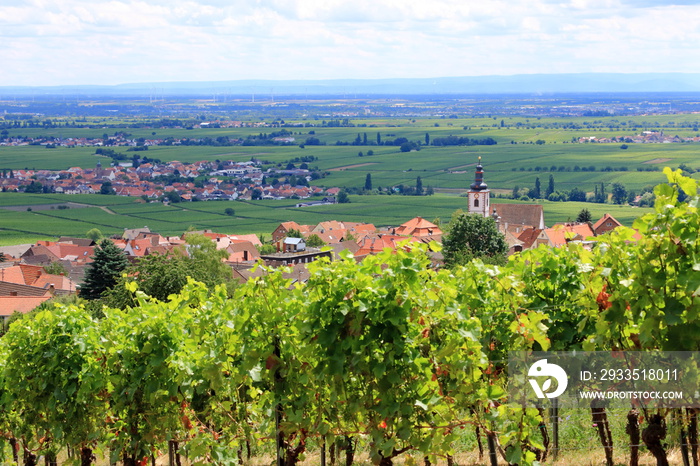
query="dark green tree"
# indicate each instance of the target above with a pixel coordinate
(584, 216)
(108, 263)
(472, 236)
(419, 187)
(427, 139)
(106, 188)
(379, 141)
(600, 196)
(536, 193)
(172, 196)
(343, 198)
(550, 186)
(368, 182)
(315, 241)
(619, 193)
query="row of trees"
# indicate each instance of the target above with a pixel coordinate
(390, 351)
(619, 194)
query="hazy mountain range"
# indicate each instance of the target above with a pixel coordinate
(515, 84)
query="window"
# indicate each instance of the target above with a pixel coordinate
(476, 202)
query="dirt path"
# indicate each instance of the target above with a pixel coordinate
(351, 166)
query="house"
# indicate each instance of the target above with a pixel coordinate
(560, 235)
(14, 303)
(285, 227)
(605, 224)
(294, 245)
(376, 244)
(518, 217)
(419, 227)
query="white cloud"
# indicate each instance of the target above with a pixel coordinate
(114, 41)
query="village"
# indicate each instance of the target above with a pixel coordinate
(26, 278)
(175, 181)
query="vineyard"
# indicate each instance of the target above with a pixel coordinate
(388, 355)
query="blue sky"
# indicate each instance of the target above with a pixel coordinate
(60, 42)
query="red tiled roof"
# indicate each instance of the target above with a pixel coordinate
(418, 227)
(11, 304)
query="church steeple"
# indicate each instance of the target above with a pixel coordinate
(478, 184)
(479, 193)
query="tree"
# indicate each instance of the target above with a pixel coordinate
(34, 187)
(294, 233)
(314, 241)
(343, 198)
(619, 193)
(108, 263)
(473, 236)
(229, 211)
(419, 186)
(107, 189)
(600, 197)
(379, 142)
(172, 196)
(550, 186)
(576, 195)
(94, 234)
(368, 182)
(427, 139)
(55, 268)
(536, 193)
(584, 216)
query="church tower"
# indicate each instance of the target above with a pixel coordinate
(478, 193)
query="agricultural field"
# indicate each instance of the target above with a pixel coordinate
(31, 216)
(527, 148)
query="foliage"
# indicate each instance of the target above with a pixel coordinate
(472, 236)
(619, 193)
(108, 263)
(315, 241)
(343, 197)
(55, 268)
(584, 216)
(94, 234)
(389, 350)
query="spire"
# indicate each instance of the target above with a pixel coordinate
(478, 184)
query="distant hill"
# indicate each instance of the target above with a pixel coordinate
(515, 84)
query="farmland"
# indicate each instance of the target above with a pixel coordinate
(528, 147)
(111, 214)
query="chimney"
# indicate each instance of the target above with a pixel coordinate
(52, 289)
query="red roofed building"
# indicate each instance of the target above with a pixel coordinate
(605, 224)
(419, 227)
(285, 227)
(560, 235)
(376, 244)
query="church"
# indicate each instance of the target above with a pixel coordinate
(512, 219)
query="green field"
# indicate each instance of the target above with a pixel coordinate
(112, 217)
(515, 161)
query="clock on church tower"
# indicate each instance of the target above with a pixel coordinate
(479, 193)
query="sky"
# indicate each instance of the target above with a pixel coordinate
(77, 42)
